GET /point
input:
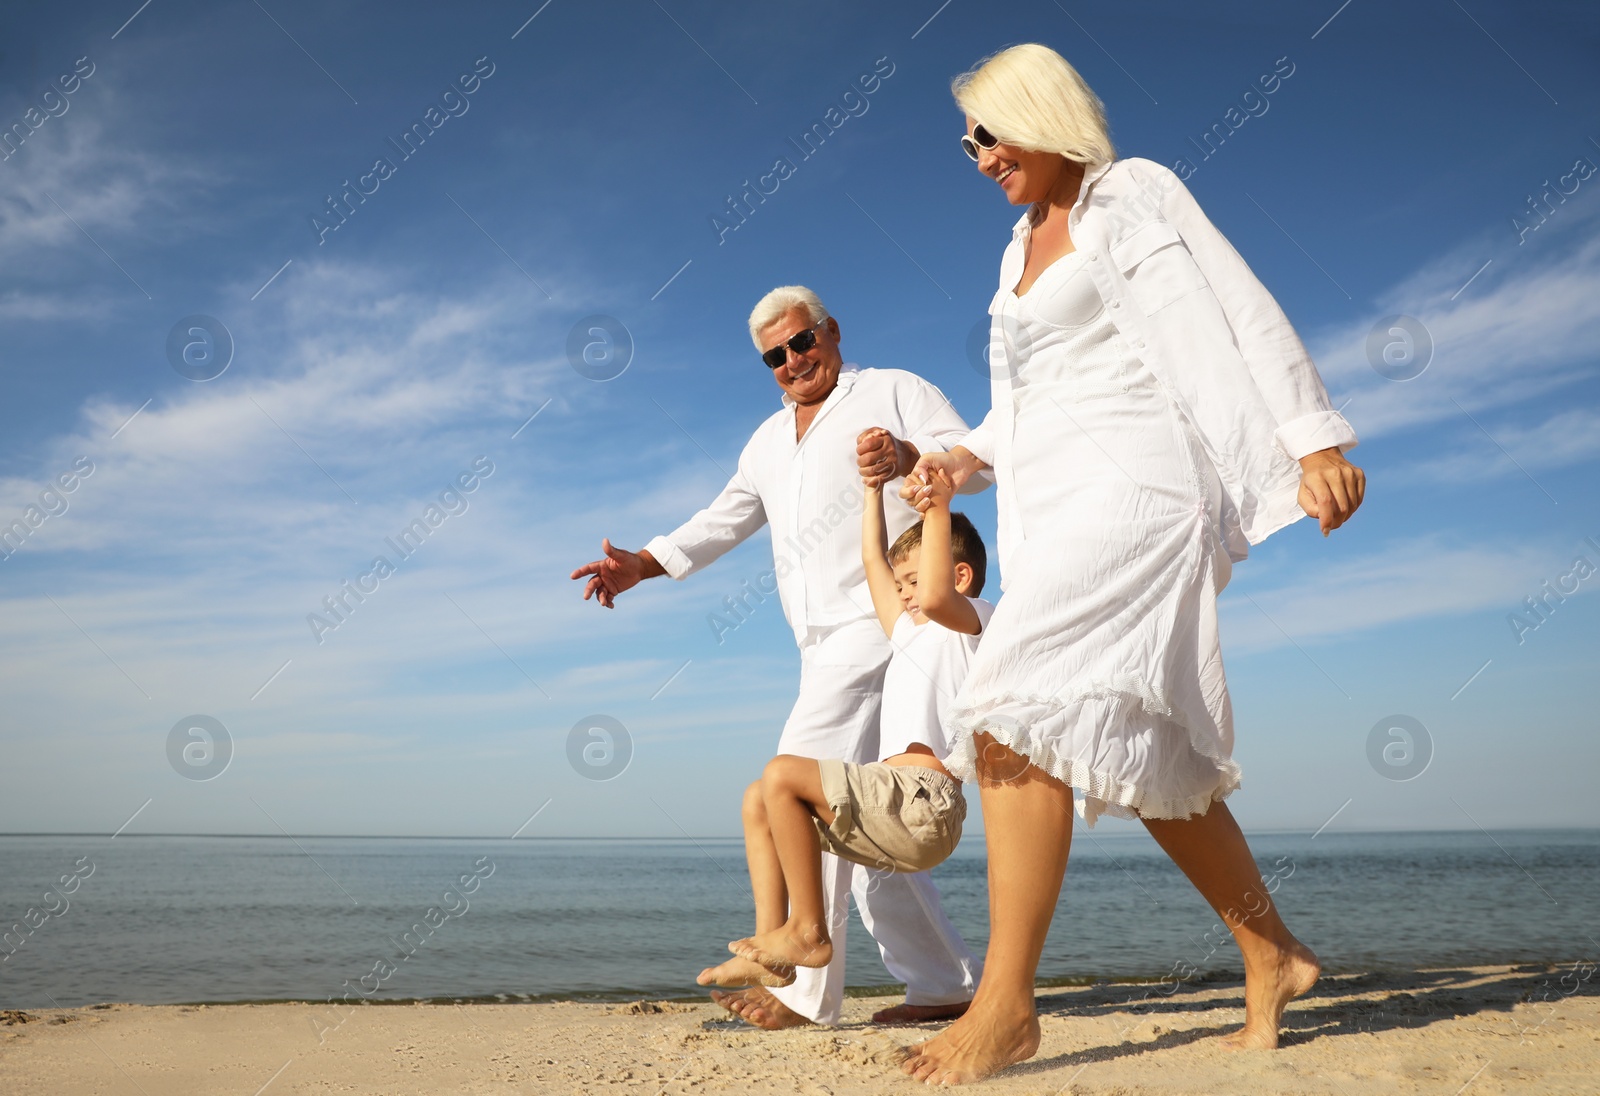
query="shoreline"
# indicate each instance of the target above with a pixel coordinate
(698, 995)
(1480, 1029)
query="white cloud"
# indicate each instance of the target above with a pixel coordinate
(18, 304)
(1525, 326)
(1410, 580)
(78, 168)
(1560, 441)
(390, 410)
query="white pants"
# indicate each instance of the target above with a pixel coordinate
(836, 716)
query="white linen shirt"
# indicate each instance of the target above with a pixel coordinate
(1219, 345)
(810, 492)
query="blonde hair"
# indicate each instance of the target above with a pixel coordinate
(778, 304)
(1029, 96)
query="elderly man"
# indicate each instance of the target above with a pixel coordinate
(802, 472)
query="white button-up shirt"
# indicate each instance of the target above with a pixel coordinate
(810, 492)
(1189, 306)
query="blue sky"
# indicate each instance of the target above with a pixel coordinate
(373, 364)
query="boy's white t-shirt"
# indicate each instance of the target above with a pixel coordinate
(925, 673)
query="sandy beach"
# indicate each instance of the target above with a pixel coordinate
(1477, 1031)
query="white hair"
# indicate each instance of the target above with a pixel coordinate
(1030, 97)
(778, 304)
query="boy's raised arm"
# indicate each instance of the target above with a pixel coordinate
(875, 558)
(936, 572)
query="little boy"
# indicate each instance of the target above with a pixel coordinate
(902, 813)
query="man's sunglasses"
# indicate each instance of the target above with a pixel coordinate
(981, 138)
(799, 342)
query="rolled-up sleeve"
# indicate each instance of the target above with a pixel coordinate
(980, 440)
(733, 515)
(1272, 351)
(1310, 433)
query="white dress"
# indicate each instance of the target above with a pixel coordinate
(1101, 662)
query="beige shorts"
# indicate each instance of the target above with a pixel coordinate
(890, 817)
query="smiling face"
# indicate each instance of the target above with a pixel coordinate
(1028, 177)
(807, 378)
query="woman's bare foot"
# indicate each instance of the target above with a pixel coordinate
(1266, 997)
(743, 972)
(978, 1045)
(759, 1007)
(785, 948)
(915, 1014)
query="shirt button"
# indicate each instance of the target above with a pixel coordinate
(1094, 258)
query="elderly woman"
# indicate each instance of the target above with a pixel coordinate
(1154, 413)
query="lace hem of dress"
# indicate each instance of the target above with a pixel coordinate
(1019, 728)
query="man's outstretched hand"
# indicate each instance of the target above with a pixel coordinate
(1330, 488)
(620, 570)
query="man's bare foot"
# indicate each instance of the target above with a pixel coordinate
(785, 948)
(1266, 997)
(978, 1045)
(743, 972)
(916, 1014)
(759, 1007)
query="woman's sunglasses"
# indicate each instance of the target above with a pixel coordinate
(980, 139)
(799, 342)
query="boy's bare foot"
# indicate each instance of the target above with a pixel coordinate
(1266, 998)
(785, 948)
(978, 1045)
(759, 1007)
(739, 971)
(904, 1013)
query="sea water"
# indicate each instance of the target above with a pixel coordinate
(190, 919)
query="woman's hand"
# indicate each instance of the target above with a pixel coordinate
(1330, 488)
(955, 468)
(931, 492)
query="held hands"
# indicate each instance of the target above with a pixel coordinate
(930, 491)
(1330, 488)
(881, 456)
(620, 570)
(953, 468)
